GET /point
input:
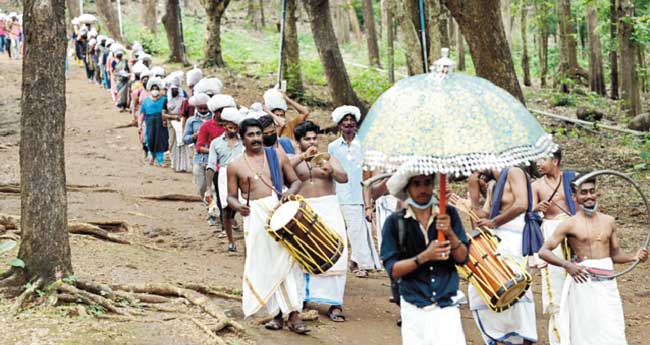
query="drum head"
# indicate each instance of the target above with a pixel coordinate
(284, 214)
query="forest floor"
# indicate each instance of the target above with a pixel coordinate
(100, 154)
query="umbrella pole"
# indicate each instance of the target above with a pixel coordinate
(442, 196)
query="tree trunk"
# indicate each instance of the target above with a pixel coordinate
(596, 75)
(341, 20)
(44, 245)
(73, 8)
(371, 33)
(542, 17)
(291, 56)
(627, 46)
(436, 29)
(214, 10)
(150, 15)
(171, 21)
(613, 56)
(505, 18)
(354, 23)
(409, 35)
(338, 82)
(525, 66)
(254, 14)
(480, 23)
(460, 49)
(262, 19)
(108, 16)
(568, 66)
(390, 40)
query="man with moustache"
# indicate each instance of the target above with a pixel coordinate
(552, 197)
(591, 312)
(319, 192)
(347, 150)
(272, 278)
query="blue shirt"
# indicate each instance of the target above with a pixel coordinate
(191, 127)
(351, 158)
(432, 282)
(150, 107)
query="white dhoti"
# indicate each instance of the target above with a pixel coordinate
(329, 287)
(516, 324)
(272, 278)
(591, 313)
(431, 325)
(222, 182)
(364, 253)
(552, 282)
(384, 207)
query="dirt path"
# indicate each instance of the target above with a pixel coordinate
(97, 153)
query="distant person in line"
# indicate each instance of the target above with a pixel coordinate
(198, 102)
(275, 103)
(152, 108)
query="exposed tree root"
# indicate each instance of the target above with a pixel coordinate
(100, 229)
(220, 292)
(213, 337)
(173, 197)
(13, 188)
(23, 297)
(9, 222)
(93, 230)
(91, 299)
(112, 225)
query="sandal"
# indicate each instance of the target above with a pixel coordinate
(275, 324)
(361, 273)
(335, 313)
(298, 327)
(232, 248)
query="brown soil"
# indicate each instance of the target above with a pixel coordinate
(99, 154)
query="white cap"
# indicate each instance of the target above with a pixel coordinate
(220, 101)
(211, 86)
(274, 99)
(193, 76)
(158, 71)
(339, 113)
(199, 99)
(155, 81)
(231, 114)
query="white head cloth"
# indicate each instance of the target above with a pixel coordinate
(274, 100)
(257, 106)
(137, 47)
(158, 71)
(138, 68)
(211, 86)
(92, 42)
(92, 33)
(109, 41)
(243, 111)
(220, 101)
(199, 99)
(145, 57)
(231, 114)
(397, 183)
(193, 76)
(101, 38)
(154, 81)
(146, 73)
(339, 113)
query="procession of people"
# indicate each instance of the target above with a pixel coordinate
(249, 162)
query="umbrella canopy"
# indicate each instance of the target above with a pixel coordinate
(87, 18)
(450, 124)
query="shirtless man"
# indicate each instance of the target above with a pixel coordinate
(507, 217)
(552, 197)
(319, 190)
(272, 278)
(590, 310)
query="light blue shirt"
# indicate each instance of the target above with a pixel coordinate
(351, 158)
(192, 126)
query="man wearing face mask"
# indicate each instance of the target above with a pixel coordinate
(424, 268)
(270, 136)
(192, 78)
(275, 103)
(223, 150)
(157, 137)
(347, 150)
(591, 312)
(201, 114)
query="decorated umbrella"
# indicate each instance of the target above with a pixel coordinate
(448, 123)
(87, 18)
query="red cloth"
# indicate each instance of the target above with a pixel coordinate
(209, 131)
(187, 110)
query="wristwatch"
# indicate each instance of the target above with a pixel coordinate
(417, 261)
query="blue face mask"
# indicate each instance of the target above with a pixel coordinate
(414, 204)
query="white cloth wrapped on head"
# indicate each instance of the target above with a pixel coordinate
(257, 106)
(158, 71)
(83, 30)
(231, 114)
(210, 86)
(274, 99)
(117, 49)
(146, 73)
(397, 183)
(92, 42)
(154, 81)
(109, 41)
(92, 33)
(138, 68)
(220, 101)
(101, 38)
(339, 113)
(137, 47)
(193, 76)
(75, 21)
(199, 99)
(174, 79)
(243, 111)
(144, 57)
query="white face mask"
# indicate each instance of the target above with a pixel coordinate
(155, 93)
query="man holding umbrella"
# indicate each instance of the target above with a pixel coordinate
(424, 267)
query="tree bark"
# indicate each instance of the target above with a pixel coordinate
(568, 66)
(73, 8)
(171, 21)
(338, 81)
(254, 14)
(214, 10)
(291, 56)
(628, 54)
(542, 16)
(149, 15)
(44, 247)
(341, 20)
(371, 34)
(525, 65)
(437, 35)
(409, 35)
(505, 18)
(108, 16)
(596, 75)
(613, 55)
(460, 49)
(480, 23)
(262, 19)
(354, 22)
(390, 40)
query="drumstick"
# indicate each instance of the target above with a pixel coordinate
(248, 196)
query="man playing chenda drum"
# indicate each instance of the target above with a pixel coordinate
(272, 278)
(318, 176)
(590, 309)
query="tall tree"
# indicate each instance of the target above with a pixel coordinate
(171, 21)
(214, 10)
(108, 15)
(525, 65)
(542, 19)
(341, 19)
(613, 55)
(149, 15)
(73, 8)
(437, 32)
(568, 67)
(371, 33)
(354, 22)
(44, 245)
(480, 23)
(460, 48)
(596, 74)
(338, 82)
(505, 18)
(627, 51)
(410, 35)
(390, 45)
(291, 56)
